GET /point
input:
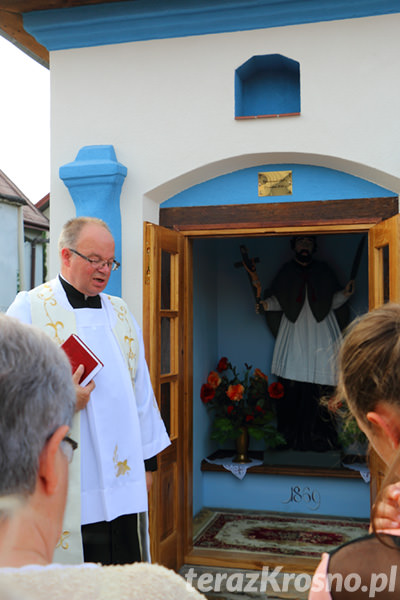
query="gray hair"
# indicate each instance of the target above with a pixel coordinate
(71, 230)
(37, 395)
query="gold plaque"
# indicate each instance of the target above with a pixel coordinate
(275, 183)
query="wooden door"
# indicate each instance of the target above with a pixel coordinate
(384, 286)
(163, 322)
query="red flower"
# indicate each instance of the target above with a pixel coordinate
(249, 418)
(223, 364)
(276, 390)
(230, 409)
(260, 409)
(258, 373)
(207, 393)
(213, 379)
(235, 392)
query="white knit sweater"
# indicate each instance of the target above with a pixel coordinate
(139, 581)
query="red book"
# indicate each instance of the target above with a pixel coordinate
(79, 354)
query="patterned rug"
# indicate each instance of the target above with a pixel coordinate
(277, 533)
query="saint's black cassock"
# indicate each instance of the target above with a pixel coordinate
(305, 424)
(289, 288)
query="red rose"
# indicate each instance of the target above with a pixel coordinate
(235, 392)
(207, 393)
(213, 379)
(276, 390)
(249, 418)
(259, 409)
(223, 364)
(230, 409)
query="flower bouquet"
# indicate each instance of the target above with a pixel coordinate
(241, 402)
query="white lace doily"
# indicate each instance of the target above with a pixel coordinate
(239, 470)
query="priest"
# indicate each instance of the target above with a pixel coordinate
(118, 423)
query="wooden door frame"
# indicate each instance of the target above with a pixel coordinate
(190, 234)
(386, 233)
(269, 219)
(166, 497)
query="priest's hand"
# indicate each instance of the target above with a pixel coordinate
(82, 393)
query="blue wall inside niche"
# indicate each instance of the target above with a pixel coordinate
(205, 306)
(313, 495)
(267, 85)
(309, 183)
(225, 324)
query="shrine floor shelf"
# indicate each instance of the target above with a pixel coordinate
(309, 464)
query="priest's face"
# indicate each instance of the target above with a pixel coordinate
(96, 243)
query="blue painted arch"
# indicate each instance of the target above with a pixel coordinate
(310, 183)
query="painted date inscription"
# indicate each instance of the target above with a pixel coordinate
(305, 495)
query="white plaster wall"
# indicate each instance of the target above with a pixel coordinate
(167, 107)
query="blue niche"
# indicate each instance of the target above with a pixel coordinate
(267, 86)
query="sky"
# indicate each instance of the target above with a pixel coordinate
(24, 121)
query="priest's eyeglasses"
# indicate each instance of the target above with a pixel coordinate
(68, 447)
(111, 264)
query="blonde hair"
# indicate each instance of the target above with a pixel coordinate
(369, 371)
(369, 361)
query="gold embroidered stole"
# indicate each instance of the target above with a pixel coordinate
(59, 323)
(125, 334)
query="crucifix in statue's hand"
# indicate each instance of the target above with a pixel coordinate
(250, 265)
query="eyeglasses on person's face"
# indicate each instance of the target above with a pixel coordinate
(68, 445)
(98, 263)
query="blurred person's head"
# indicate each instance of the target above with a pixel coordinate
(369, 377)
(369, 383)
(37, 404)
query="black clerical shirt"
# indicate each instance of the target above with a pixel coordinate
(77, 299)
